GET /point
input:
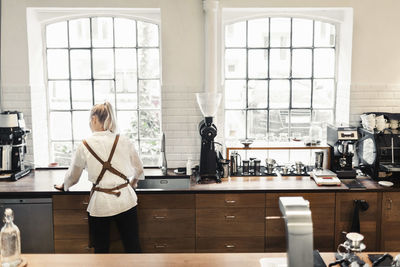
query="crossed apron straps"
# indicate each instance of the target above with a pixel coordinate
(107, 167)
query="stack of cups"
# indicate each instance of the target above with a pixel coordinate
(381, 123)
(368, 121)
(394, 124)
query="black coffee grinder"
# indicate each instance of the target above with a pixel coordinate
(341, 140)
(208, 171)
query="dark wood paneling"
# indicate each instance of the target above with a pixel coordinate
(229, 244)
(322, 207)
(369, 220)
(390, 228)
(230, 200)
(72, 246)
(230, 222)
(167, 222)
(166, 201)
(70, 202)
(167, 245)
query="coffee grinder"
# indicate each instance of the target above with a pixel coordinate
(341, 140)
(12, 145)
(208, 103)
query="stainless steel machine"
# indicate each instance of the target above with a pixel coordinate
(13, 145)
(342, 140)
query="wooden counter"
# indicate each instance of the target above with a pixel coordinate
(152, 260)
(41, 182)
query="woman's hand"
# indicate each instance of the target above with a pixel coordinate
(134, 183)
(59, 187)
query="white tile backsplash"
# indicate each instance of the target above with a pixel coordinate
(181, 114)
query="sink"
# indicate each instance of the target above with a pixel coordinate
(154, 183)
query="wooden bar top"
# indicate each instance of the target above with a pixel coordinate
(152, 260)
(41, 182)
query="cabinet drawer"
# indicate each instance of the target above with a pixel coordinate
(315, 199)
(369, 219)
(230, 200)
(166, 201)
(72, 246)
(230, 222)
(167, 245)
(70, 202)
(229, 244)
(323, 230)
(70, 224)
(166, 222)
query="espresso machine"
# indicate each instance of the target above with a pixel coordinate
(12, 145)
(208, 171)
(341, 140)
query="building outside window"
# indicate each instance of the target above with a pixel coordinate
(95, 59)
(279, 77)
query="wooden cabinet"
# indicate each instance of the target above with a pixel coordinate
(167, 222)
(390, 228)
(322, 207)
(230, 222)
(71, 229)
(369, 219)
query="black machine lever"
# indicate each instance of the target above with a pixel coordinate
(358, 205)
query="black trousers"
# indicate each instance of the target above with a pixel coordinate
(127, 225)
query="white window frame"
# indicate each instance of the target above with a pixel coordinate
(342, 18)
(37, 19)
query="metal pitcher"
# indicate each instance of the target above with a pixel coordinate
(236, 160)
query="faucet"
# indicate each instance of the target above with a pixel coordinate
(299, 231)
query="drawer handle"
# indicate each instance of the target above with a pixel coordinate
(230, 201)
(160, 245)
(230, 217)
(274, 217)
(86, 218)
(87, 248)
(229, 246)
(85, 203)
(389, 204)
(159, 217)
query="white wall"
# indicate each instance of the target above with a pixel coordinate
(375, 59)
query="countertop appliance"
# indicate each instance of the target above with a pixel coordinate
(379, 154)
(208, 103)
(13, 145)
(34, 218)
(342, 141)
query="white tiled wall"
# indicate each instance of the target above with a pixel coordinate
(373, 98)
(181, 115)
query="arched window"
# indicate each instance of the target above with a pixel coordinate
(279, 77)
(93, 59)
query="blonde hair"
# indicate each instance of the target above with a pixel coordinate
(105, 114)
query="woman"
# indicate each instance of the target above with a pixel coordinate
(109, 159)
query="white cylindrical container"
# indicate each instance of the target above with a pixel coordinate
(189, 167)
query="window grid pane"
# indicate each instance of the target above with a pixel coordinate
(100, 62)
(289, 69)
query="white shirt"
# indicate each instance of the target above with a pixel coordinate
(125, 160)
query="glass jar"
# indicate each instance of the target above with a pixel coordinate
(10, 241)
(315, 133)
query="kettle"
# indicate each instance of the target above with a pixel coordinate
(235, 161)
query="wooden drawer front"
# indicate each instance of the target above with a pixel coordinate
(166, 201)
(230, 222)
(390, 234)
(166, 222)
(72, 246)
(229, 244)
(70, 224)
(368, 219)
(167, 245)
(230, 200)
(70, 202)
(323, 229)
(315, 199)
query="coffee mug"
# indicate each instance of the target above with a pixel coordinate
(381, 126)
